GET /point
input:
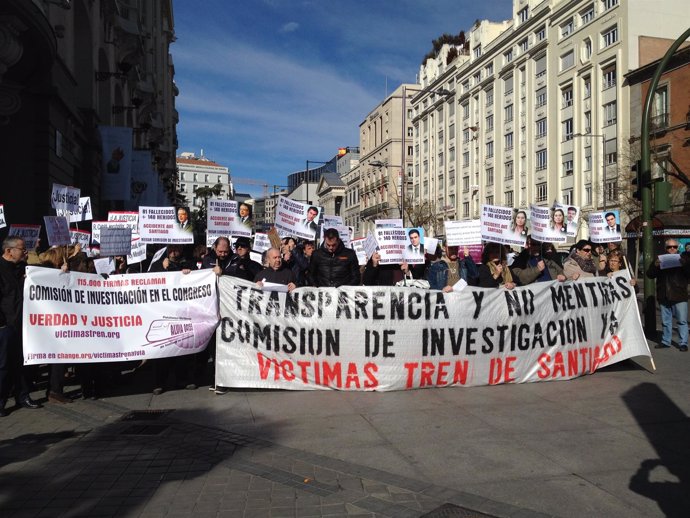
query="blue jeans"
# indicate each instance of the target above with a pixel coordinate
(679, 310)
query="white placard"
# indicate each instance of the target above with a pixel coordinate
(138, 252)
(463, 233)
(80, 237)
(29, 233)
(297, 219)
(116, 241)
(222, 219)
(667, 261)
(65, 198)
(496, 226)
(3, 222)
(83, 213)
(358, 247)
(261, 242)
(604, 227)
(414, 235)
(160, 225)
(57, 230)
(391, 244)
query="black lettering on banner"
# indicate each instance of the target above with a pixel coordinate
(516, 306)
(478, 297)
(624, 285)
(376, 343)
(609, 323)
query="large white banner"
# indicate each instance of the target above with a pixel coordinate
(390, 338)
(80, 317)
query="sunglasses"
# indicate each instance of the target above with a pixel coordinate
(671, 246)
(586, 249)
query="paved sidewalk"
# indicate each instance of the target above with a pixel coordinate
(611, 444)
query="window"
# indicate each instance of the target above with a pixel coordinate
(451, 155)
(541, 33)
(523, 46)
(489, 149)
(567, 96)
(586, 87)
(540, 66)
(567, 164)
(660, 109)
(477, 51)
(466, 136)
(196, 177)
(508, 56)
(451, 109)
(409, 114)
(608, 4)
(610, 113)
(567, 196)
(611, 190)
(541, 160)
(466, 111)
(541, 97)
(465, 209)
(508, 113)
(588, 194)
(508, 170)
(183, 187)
(508, 141)
(567, 60)
(541, 128)
(588, 159)
(490, 97)
(490, 123)
(182, 177)
(611, 151)
(466, 159)
(588, 122)
(587, 49)
(542, 192)
(489, 176)
(523, 15)
(609, 77)
(466, 183)
(587, 15)
(440, 162)
(508, 199)
(466, 86)
(508, 85)
(489, 69)
(410, 132)
(568, 129)
(609, 36)
(567, 28)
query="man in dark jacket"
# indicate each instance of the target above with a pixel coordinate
(238, 264)
(12, 265)
(332, 264)
(276, 272)
(672, 294)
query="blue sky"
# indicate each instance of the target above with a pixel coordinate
(267, 84)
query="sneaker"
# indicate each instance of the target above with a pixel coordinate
(157, 391)
(662, 346)
(222, 390)
(683, 348)
(212, 388)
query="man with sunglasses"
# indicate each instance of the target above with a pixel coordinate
(224, 262)
(672, 295)
(12, 266)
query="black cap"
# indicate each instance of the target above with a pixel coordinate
(242, 241)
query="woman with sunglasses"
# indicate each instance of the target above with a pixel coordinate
(580, 263)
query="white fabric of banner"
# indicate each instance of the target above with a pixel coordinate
(79, 317)
(390, 338)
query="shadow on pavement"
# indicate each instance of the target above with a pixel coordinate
(665, 479)
(114, 469)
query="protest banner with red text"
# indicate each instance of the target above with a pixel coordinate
(79, 317)
(395, 338)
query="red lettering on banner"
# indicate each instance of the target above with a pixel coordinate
(501, 371)
(53, 319)
(578, 362)
(352, 376)
(370, 370)
(428, 369)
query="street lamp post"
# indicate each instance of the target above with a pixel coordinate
(402, 178)
(603, 160)
(307, 178)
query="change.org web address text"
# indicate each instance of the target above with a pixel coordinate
(87, 356)
(86, 333)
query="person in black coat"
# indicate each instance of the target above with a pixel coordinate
(332, 264)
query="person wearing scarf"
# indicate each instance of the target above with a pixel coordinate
(580, 263)
(494, 271)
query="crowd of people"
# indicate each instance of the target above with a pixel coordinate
(302, 263)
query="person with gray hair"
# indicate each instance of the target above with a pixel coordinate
(12, 375)
(672, 295)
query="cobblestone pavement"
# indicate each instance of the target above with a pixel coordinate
(96, 458)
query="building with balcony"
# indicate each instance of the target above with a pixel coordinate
(540, 111)
(67, 68)
(670, 116)
(385, 144)
(195, 172)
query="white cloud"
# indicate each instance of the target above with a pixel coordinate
(289, 27)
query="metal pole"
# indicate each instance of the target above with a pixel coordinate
(401, 177)
(603, 168)
(306, 181)
(645, 175)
